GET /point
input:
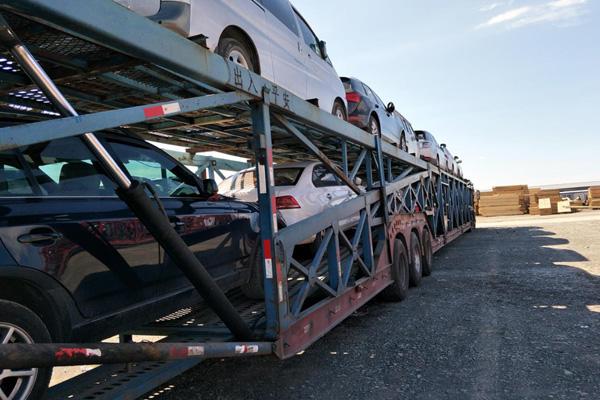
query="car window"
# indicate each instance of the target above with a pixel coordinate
(309, 37)
(347, 85)
(378, 99)
(287, 176)
(146, 164)
(367, 91)
(282, 10)
(323, 178)
(13, 180)
(66, 167)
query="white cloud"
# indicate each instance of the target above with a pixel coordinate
(490, 7)
(564, 12)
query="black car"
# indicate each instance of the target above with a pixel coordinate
(368, 112)
(76, 265)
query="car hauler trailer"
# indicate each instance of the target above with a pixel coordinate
(73, 69)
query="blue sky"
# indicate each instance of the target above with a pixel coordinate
(512, 86)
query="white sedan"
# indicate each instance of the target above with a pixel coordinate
(301, 189)
(269, 37)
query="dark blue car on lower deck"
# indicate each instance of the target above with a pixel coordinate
(74, 254)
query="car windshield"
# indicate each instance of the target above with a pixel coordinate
(287, 176)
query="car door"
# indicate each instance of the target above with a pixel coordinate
(289, 67)
(65, 220)
(220, 235)
(320, 73)
(389, 126)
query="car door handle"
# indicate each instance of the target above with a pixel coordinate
(39, 237)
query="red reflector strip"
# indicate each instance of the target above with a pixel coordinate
(267, 248)
(159, 111)
(153, 112)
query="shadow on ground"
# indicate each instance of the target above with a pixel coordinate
(505, 315)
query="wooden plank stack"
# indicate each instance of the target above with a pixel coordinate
(594, 196)
(534, 201)
(504, 201)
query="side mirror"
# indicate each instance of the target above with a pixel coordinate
(455, 158)
(443, 145)
(210, 186)
(323, 48)
(390, 107)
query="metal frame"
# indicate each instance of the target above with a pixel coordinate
(173, 90)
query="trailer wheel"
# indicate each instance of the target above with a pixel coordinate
(427, 253)
(255, 287)
(19, 324)
(416, 263)
(398, 290)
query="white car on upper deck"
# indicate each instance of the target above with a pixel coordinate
(269, 37)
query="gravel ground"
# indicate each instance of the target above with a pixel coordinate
(509, 313)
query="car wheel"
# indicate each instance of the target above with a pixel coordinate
(427, 253)
(18, 324)
(374, 128)
(416, 263)
(255, 287)
(236, 50)
(398, 290)
(339, 110)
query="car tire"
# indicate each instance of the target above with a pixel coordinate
(254, 288)
(339, 110)
(398, 290)
(416, 263)
(236, 49)
(427, 253)
(18, 324)
(374, 128)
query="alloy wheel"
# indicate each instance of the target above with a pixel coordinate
(15, 384)
(238, 58)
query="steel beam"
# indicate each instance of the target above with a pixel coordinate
(40, 355)
(23, 135)
(330, 165)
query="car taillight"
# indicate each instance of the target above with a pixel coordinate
(286, 203)
(353, 97)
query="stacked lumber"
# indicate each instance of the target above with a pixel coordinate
(594, 196)
(504, 201)
(545, 196)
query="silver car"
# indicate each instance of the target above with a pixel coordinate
(269, 37)
(430, 149)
